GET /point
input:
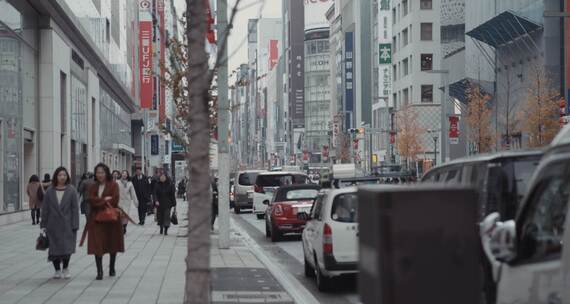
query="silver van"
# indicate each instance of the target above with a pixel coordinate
(243, 191)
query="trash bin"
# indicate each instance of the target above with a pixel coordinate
(418, 245)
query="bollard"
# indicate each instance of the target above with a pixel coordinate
(419, 245)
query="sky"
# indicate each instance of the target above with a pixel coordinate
(249, 9)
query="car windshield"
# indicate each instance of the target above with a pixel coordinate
(301, 194)
(345, 208)
(523, 172)
(279, 180)
(247, 179)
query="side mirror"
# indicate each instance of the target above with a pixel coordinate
(503, 241)
(266, 203)
(303, 216)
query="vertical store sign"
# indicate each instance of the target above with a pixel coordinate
(297, 63)
(385, 61)
(567, 55)
(162, 41)
(453, 130)
(273, 53)
(145, 53)
(349, 77)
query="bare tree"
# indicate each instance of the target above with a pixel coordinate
(541, 109)
(409, 136)
(192, 81)
(479, 116)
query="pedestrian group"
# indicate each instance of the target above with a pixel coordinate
(104, 198)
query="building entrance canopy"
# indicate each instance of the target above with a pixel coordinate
(503, 29)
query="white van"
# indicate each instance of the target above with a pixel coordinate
(243, 190)
(330, 237)
(529, 248)
(267, 182)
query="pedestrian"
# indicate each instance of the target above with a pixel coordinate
(116, 175)
(127, 197)
(104, 234)
(60, 221)
(214, 202)
(182, 189)
(142, 189)
(164, 200)
(84, 185)
(35, 203)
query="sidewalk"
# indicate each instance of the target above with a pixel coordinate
(150, 271)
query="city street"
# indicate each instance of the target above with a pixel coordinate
(288, 254)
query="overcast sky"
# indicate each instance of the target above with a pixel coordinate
(249, 9)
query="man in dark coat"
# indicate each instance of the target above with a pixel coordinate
(142, 189)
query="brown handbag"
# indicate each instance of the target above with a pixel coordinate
(108, 214)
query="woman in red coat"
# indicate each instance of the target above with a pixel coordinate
(104, 237)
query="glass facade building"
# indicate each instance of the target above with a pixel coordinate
(317, 92)
(18, 92)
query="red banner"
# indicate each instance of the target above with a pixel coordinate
(273, 53)
(453, 129)
(145, 63)
(392, 138)
(162, 30)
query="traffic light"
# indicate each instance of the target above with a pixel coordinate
(359, 131)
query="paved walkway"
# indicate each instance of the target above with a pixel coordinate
(150, 271)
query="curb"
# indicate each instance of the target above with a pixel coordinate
(293, 287)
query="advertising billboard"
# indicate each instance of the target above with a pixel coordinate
(145, 54)
(297, 63)
(315, 11)
(349, 77)
(273, 53)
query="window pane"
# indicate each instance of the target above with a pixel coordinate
(425, 4)
(427, 61)
(426, 31)
(427, 93)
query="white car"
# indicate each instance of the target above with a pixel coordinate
(330, 237)
(531, 250)
(243, 189)
(267, 182)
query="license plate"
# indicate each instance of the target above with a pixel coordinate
(303, 210)
(250, 195)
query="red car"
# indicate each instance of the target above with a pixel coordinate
(288, 201)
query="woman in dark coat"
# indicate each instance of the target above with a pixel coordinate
(60, 221)
(32, 189)
(165, 199)
(104, 237)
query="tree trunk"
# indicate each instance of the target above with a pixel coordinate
(200, 207)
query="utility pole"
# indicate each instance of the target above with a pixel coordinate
(223, 155)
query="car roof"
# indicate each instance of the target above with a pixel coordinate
(296, 187)
(251, 171)
(282, 173)
(486, 157)
(562, 138)
(335, 192)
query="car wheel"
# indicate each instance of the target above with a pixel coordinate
(236, 210)
(323, 282)
(309, 271)
(275, 235)
(260, 216)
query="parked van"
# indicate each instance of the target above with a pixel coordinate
(502, 179)
(243, 189)
(534, 267)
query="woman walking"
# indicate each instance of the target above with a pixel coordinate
(105, 233)
(127, 196)
(165, 199)
(60, 221)
(84, 185)
(33, 188)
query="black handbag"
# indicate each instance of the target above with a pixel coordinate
(42, 242)
(174, 218)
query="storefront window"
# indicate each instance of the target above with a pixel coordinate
(18, 79)
(115, 126)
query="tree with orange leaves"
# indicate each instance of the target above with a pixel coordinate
(541, 109)
(408, 142)
(479, 116)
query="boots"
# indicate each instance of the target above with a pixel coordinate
(165, 230)
(99, 264)
(112, 265)
(161, 229)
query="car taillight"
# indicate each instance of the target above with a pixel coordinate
(327, 240)
(278, 210)
(258, 189)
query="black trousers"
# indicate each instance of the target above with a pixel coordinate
(142, 211)
(214, 215)
(57, 263)
(35, 215)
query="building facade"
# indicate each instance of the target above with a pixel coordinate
(61, 91)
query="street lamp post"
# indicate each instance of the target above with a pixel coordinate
(435, 150)
(443, 121)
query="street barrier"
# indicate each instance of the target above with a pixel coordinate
(418, 245)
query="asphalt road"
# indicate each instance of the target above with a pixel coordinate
(289, 254)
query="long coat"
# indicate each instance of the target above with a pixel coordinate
(165, 194)
(127, 197)
(142, 188)
(103, 237)
(32, 191)
(61, 221)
